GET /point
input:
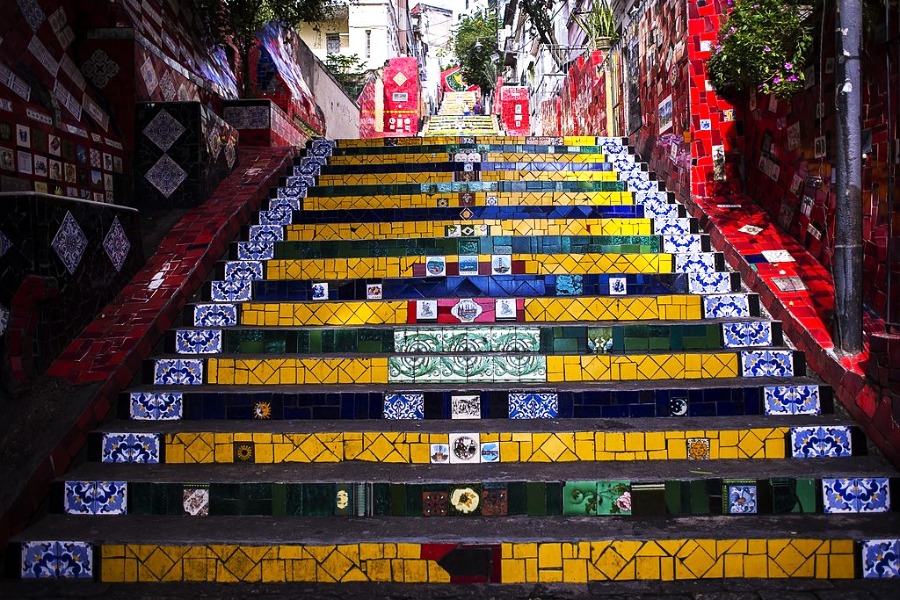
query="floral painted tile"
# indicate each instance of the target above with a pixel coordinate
(792, 400)
(96, 497)
(57, 560)
(741, 498)
(198, 341)
(130, 448)
(215, 315)
(231, 291)
(178, 371)
(195, 500)
(404, 406)
(593, 498)
(533, 405)
(855, 495)
(821, 442)
(465, 500)
(881, 559)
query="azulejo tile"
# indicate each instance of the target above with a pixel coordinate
(291, 204)
(716, 282)
(231, 291)
(164, 130)
(69, 243)
(276, 215)
(266, 233)
(660, 211)
(569, 285)
(747, 334)
(465, 500)
(686, 243)
(256, 250)
(792, 400)
(696, 262)
(723, 306)
(618, 286)
(831, 441)
(533, 405)
(243, 270)
(130, 448)
(156, 406)
(198, 341)
(435, 504)
(215, 315)
(404, 406)
(165, 175)
(96, 497)
(57, 560)
(864, 494)
(294, 193)
(767, 363)
(673, 226)
(178, 371)
(742, 498)
(116, 244)
(195, 500)
(881, 558)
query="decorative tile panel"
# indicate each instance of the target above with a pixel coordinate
(673, 226)
(256, 250)
(533, 405)
(465, 406)
(215, 315)
(725, 306)
(742, 498)
(792, 400)
(95, 497)
(231, 291)
(701, 262)
(116, 244)
(156, 406)
(69, 243)
(166, 175)
(689, 243)
(831, 441)
(57, 560)
(164, 130)
(243, 270)
(881, 559)
(767, 363)
(715, 282)
(404, 406)
(747, 334)
(178, 371)
(864, 494)
(266, 233)
(198, 341)
(465, 448)
(130, 448)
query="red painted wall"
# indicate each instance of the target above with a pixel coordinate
(401, 97)
(514, 112)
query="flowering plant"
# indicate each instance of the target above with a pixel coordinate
(762, 45)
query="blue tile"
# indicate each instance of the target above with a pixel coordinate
(243, 270)
(821, 442)
(231, 291)
(57, 560)
(767, 363)
(881, 558)
(726, 305)
(266, 233)
(215, 315)
(178, 371)
(255, 250)
(856, 495)
(404, 406)
(198, 341)
(742, 499)
(130, 448)
(716, 282)
(533, 405)
(792, 400)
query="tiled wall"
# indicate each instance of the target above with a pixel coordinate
(261, 122)
(60, 262)
(183, 151)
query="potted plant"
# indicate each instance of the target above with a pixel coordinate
(762, 46)
(599, 24)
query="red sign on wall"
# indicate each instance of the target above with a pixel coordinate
(514, 110)
(401, 97)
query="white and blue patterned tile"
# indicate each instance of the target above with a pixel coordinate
(255, 250)
(767, 363)
(291, 193)
(742, 499)
(747, 334)
(198, 341)
(276, 216)
(683, 243)
(652, 196)
(856, 495)
(299, 181)
(266, 233)
(679, 226)
(166, 175)
(716, 282)
(697, 262)
(156, 406)
(533, 405)
(244, 270)
(723, 306)
(215, 315)
(404, 406)
(116, 244)
(792, 400)
(881, 559)
(623, 165)
(231, 291)
(32, 13)
(291, 204)
(78, 497)
(322, 147)
(164, 130)
(57, 560)
(613, 147)
(660, 211)
(178, 371)
(831, 441)
(130, 448)
(69, 243)
(95, 497)
(4, 319)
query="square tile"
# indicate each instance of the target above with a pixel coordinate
(494, 502)
(698, 448)
(742, 498)
(881, 558)
(468, 265)
(426, 310)
(533, 405)
(435, 504)
(440, 454)
(490, 452)
(466, 406)
(320, 290)
(374, 291)
(435, 266)
(789, 284)
(505, 309)
(195, 500)
(465, 448)
(678, 407)
(614, 497)
(580, 498)
(618, 286)
(244, 452)
(600, 340)
(778, 256)
(465, 500)
(831, 441)
(215, 315)
(404, 406)
(501, 264)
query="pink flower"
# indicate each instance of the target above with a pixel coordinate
(793, 78)
(776, 80)
(624, 501)
(788, 66)
(767, 49)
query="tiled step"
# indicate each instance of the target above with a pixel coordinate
(532, 549)
(628, 489)
(797, 437)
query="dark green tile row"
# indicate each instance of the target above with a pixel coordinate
(601, 244)
(584, 498)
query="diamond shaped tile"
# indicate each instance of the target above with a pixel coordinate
(116, 244)
(166, 175)
(164, 130)
(69, 243)
(5, 244)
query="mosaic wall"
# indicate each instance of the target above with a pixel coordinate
(184, 150)
(261, 123)
(401, 96)
(56, 275)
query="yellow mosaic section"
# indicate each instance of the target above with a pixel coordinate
(539, 562)
(568, 140)
(537, 310)
(296, 371)
(681, 559)
(426, 229)
(402, 266)
(532, 447)
(230, 563)
(642, 367)
(433, 200)
(431, 157)
(449, 176)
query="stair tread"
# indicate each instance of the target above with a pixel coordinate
(635, 471)
(341, 530)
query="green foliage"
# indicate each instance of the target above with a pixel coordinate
(474, 41)
(238, 21)
(350, 72)
(599, 24)
(762, 45)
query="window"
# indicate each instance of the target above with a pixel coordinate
(368, 43)
(333, 43)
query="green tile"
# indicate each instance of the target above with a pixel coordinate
(414, 500)
(317, 499)
(675, 501)
(279, 500)
(398, 500)
(536, 498)
(648, 499)
(579, 498)
(614, 497)
(554, 498)
(381, 499)
(517, 494)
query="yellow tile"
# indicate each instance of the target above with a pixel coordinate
(550, 576)
(415, 571)
(512, 571)
(550, 555)
(840, 566)
(634, 441)
(575, 570)
(614, 441)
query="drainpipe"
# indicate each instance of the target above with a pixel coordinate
(847, 262)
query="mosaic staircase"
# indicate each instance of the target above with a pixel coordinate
(471, 360)
(456, 118)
